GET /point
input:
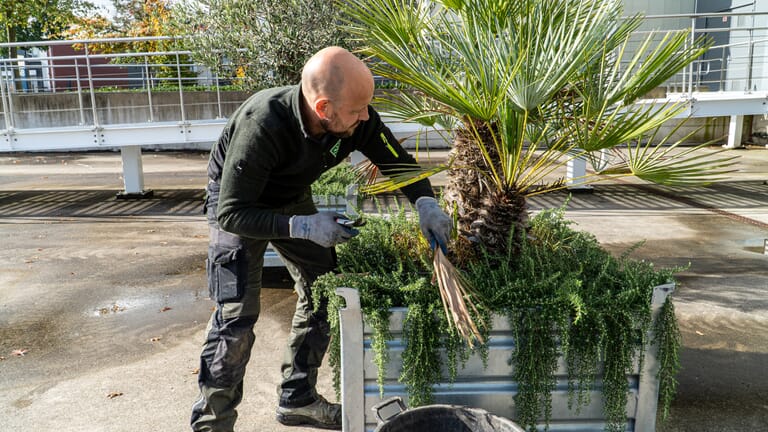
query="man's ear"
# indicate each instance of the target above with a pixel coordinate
(323, 108)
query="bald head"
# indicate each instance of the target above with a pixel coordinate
(337, 89)
(333, 71)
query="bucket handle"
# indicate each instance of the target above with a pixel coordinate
(389, 409)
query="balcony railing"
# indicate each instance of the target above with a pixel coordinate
(737, 62)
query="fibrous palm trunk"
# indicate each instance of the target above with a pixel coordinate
(488, 214)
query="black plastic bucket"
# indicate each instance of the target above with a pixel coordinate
(447, 418)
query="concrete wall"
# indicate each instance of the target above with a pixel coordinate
(48, 110)
(656, 7)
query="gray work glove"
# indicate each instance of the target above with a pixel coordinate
(320, 228)
(435, 224)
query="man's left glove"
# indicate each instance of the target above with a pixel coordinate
(320, 228)
(435, 224)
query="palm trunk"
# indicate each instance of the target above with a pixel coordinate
(491, 217)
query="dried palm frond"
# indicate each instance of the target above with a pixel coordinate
(456, 293)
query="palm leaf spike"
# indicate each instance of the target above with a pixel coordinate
(455, 293)
(399, 178)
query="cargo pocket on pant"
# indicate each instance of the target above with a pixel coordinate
(227, 270)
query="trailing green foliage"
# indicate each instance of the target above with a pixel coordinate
(165, 88)
(563, 294)
(667, 336)
(424, 324)
(335, 181)
(563, 285)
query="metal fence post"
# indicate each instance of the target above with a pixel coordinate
(149, 89)
(8, 114)
(79, 93)
(218, 94)
(90, 86)
(750, 55)
(10, 92)
(690, 66)
(721, 87)
(181, 90)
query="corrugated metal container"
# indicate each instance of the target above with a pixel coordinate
(490, 388)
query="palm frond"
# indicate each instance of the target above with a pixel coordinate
(611, 126)
(657, 60)
(397, 178)
(674, 164)
(410, 106)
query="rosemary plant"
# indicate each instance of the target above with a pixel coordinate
(667, 336)
(335, 181)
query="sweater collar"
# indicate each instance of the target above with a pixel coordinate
(296, 98)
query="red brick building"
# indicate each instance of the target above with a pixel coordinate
(65, 72)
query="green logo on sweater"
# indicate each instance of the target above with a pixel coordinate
(335, 149)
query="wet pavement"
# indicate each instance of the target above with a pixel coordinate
(106, 298)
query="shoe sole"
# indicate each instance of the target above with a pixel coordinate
(299, 420)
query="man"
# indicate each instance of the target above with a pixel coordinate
(260, 171)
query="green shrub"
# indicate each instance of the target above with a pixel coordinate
(561, 291)
(335, 181)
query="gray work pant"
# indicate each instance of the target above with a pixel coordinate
(234, 275)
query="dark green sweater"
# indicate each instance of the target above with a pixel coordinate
(265, 160)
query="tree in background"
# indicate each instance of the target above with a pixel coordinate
(263, 43)
(135, 19)
(24, 20)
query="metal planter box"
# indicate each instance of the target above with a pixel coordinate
(490, 388)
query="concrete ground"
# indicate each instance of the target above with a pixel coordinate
(106, 298)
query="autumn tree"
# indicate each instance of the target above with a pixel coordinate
(135, 19)
(24, 20)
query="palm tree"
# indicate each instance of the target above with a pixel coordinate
(524, 86)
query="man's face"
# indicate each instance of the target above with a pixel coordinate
(346, 115)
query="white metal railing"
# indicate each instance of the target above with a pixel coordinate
(87, 73)
(738, 61)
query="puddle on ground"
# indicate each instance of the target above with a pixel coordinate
(124, 305)
(758, 245)
(145, 304)
(760, 250)
(115, 308)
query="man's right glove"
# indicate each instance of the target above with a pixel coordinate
(320, 228)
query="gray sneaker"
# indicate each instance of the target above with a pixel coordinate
(320, 413)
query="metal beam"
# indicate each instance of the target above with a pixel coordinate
(735, 128)
(110, 136)
(714, 104)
